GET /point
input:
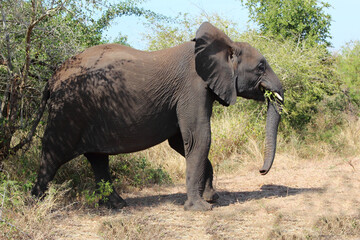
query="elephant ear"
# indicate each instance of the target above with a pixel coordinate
(214, 62)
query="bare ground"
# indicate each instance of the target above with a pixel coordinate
(296, 200)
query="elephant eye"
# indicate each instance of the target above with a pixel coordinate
(261, 67)
(232, 55)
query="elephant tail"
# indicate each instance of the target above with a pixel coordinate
(44, 99)
(45, 94)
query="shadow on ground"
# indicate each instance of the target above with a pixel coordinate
(226, 198)
(266, 191)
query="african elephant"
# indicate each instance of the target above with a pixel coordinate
(113, 99)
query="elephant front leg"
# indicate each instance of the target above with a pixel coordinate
(196, 151)
(195, 185)
(209, 194)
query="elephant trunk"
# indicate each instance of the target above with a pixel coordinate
(272, 123)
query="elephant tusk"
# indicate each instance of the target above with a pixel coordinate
(278, 96)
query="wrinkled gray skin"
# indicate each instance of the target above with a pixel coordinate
(113, 99)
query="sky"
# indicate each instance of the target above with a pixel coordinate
(345, 25)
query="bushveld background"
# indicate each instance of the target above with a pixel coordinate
(312, 191)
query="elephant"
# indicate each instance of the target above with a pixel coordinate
(112, 99)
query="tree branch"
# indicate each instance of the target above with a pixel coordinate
(28, 138)
(34, 22)
(9, 66)
(42, 63)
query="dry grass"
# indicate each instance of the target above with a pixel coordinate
(27, 218)
(349, 138)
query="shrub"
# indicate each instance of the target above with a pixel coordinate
(136, 171)
(348, 66)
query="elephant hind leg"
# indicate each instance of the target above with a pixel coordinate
(46, 174)
(209, 194)
(51, 160)
(100, 166)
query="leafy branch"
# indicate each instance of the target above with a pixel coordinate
(276, 100)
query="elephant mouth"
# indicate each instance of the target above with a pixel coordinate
(270, 94)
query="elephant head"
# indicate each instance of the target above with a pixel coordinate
(233, 69)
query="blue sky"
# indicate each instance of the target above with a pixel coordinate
(344, 27)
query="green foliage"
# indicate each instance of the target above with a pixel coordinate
(120, 39)
(169, 34)
(349, 70)
(137, 172)
(10, 192)
(295, 19)
(22, 169)
(101, 194)
(275, 99)
(164, 36)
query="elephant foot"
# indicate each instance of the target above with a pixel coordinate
(210, 196)
(197, 205)
(114, 201)
(37, 192)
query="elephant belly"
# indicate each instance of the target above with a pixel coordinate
(116, 136)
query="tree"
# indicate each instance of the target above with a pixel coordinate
(296, 19)
(348, 65)
(37, 36)
(165, 35)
